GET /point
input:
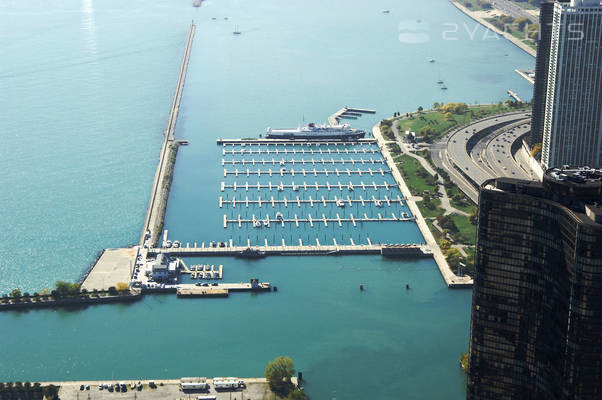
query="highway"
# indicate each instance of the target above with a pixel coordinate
(483, 150)
(512, 9)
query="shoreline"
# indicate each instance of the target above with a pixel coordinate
(451, 279)
(482, 21)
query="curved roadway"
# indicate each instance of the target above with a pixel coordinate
(482, 150)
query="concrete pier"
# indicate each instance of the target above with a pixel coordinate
(162, 181)
(414, 250)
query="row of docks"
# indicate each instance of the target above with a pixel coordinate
(231, 249)
(323, 201)
(328, 186)
(303, 161)
(302, 151)
(314, 172)
(206, 272)
(290, 142)
(258, 223)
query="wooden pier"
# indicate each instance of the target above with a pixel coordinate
(304, 172)
(280, 187)
(322, 201)
(301, 151)
(303, 161)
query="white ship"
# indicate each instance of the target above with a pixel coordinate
(317, 132)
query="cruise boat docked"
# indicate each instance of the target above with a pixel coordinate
(317, 132)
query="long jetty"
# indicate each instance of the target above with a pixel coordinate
(160, 191)
(416, 250)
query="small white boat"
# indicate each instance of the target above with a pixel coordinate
(340, 203)
(257, 224)
(168, 243)
(431, 60)
(266, 223)
(405, 215)
(236, 31)
(350, 187)
(280, 188)
(295, 188)
(279, 216)
(378, 203)
(281, 162)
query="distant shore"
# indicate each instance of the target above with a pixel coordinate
(474, 15)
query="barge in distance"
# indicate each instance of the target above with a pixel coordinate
(317, 132)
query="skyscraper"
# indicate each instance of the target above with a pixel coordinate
(542, 64)
(536, 328)
(569, 119)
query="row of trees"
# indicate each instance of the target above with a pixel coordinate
(62, 290)
(509, 24)
(27, 390)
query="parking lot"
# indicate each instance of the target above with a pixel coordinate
(257, 389)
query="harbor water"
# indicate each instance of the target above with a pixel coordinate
(85, 92)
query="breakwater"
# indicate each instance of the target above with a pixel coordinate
(167, 157)
(69, 302)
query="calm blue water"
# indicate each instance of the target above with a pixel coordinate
(85, 91)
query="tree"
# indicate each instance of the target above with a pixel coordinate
(522, 22)
(51, 392)
(16, 293)
(420, 109)
(278, 374)
(445, 244)
(473, 216)
(66, 289)
(122, 287)
(296, 394)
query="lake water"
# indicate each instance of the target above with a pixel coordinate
(85, 92)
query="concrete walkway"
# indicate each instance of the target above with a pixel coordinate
(445, 202)
(472, 14)
(451, 279)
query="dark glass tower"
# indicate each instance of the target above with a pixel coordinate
(542, 64)
(536, 328)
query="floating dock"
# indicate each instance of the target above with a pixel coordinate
(276, 142)
(348, 113)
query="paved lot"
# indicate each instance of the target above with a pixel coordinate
(257, 389)
(112, 267)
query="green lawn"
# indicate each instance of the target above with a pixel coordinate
(439, 122)
(411, 170)
(520, 35)
(467, 230)
(427, 212)
(465, 206)
(472, 5)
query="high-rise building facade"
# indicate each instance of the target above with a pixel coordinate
(542, 65)
(536, 327)
(572, 117)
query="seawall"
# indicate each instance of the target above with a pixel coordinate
(167, 157)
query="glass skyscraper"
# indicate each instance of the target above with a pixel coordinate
(536, 327)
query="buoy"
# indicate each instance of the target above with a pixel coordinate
(407, 286)
(275, 288)
(361, 287)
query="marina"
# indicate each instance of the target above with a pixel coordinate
(89, 192)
